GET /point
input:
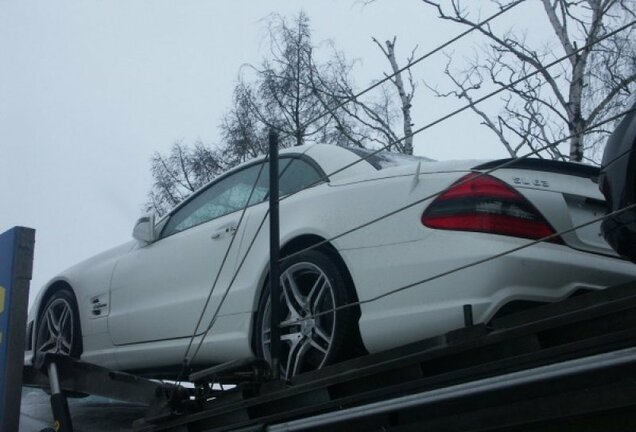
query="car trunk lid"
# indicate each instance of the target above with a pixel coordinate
(565, 193)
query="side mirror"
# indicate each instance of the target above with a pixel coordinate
(145, 229)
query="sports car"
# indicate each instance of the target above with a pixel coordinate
(407, 242)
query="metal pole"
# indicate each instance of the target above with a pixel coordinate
(16, 265)
(468, 316)
(61, 413)
(274, 251)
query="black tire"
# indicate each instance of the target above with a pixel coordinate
(58, 326)
(305, 340)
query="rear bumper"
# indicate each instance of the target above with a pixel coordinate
(541, 273)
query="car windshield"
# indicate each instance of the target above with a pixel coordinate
(385, 159)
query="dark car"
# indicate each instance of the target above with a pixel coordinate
(618, 183)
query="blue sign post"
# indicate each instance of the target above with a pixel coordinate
(16, 264)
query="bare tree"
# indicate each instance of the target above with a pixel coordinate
(305, 100)
(565, 100)
(280, 94)
(310, 101)
(405, 93)
(243, 134)
(380, 118)
(181, 172)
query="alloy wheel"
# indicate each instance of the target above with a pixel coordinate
(56, 329)
(306, 339)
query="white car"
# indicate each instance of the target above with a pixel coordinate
(135, 307)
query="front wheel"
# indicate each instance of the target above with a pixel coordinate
(313, 334)
(58, 326)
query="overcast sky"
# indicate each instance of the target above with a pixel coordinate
(89, 90)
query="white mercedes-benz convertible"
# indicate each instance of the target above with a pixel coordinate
(136, 306)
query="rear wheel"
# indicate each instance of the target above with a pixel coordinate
(313, 334)
(58, 328)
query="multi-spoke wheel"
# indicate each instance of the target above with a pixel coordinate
(313, 333)
(58, 326)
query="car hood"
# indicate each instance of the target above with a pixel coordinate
(113, 252)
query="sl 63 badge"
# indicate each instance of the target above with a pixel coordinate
(525, 181)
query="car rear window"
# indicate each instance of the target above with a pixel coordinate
(385, 159)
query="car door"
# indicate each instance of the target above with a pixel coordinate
(159, 290)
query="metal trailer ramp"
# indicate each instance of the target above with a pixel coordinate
(64, 376)
(563, 365)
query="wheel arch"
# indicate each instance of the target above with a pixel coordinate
(51, 289)
(297, 244)
(304, 241)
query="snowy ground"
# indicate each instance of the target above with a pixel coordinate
(90, 414)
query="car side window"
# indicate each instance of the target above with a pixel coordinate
(231, 193)
(226, 196)
(296, 175)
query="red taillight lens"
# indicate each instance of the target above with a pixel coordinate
(483, 203)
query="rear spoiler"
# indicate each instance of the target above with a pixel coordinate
(545, 165)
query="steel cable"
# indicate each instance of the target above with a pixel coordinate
(439, 48)
(469, 265)
(187, 362)
(409, 65)
(441, 119)
(498, 167)
(419, 130)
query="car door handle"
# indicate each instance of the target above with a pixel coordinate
(230, 229)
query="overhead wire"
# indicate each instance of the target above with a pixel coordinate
(467, 266)
(388, 77)
(186, 361)
(443, 118)
(227, 290)
(431, 196)
(347, 100)
(419, 130)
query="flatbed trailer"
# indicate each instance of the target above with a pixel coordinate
(567, 365)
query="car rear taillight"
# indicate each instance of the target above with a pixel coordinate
(483, 203)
